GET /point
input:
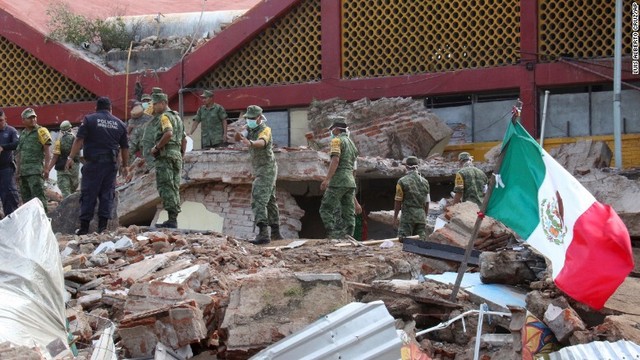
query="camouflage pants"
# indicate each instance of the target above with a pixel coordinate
(32, 186)
(412, 222)
(68, 181)
(263, 201)
(168, 183)
(338, 212)
(135, 145)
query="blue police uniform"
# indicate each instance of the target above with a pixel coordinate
(8, 190)
(104, 135)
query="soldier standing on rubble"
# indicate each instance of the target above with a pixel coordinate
(8, 189)
(135, 129)
(148, 133)
(470, 183)
(214, 122)
(67, 179)
(340, 184)
(33, 156)
(265, 171)
(412, 195)
(170, 143)
(102, 137)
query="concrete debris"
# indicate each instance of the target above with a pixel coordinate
(563, 322)
(511, 267)
(583, 156)
(462, 217)
(388, 127)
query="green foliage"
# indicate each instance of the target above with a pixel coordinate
(77, 29)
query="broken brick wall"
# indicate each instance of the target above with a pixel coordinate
(233, 203)
(388, 128)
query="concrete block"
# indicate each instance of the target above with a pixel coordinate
(563, 322)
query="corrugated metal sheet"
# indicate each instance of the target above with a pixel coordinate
(355, 331)
(599, 350)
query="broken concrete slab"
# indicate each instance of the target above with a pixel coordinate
(462, 218)
(140, 269)
(563, 322)
(192, 277)
(65, 217)
(274, 303)
(625, 300)
(619, 327)
(583, 156)
(509, 267)
(388, 127)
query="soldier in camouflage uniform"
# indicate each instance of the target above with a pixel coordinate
(214, 122)
(67, 179)
(33, 156)
(170, 144)
(135, 129)
(412, 196)
(470, 183)
(265, 171)
(337, 208)
(148, 139)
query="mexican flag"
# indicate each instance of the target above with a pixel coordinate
(587, 243)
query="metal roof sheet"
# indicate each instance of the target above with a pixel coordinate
(355, 331)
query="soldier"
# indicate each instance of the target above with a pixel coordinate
(149, 108)
(33, 156)
(8, 143)
(340, 184)
(135, 130)
(148, 139)
(102, 137)
(265, 171)
(214, 122)
(170, 143)
(412, 195)
(67, 179)
(470, 183)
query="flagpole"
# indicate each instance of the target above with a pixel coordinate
(476, 228)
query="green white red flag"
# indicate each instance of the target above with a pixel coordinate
(587, 242)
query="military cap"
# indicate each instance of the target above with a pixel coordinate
(253, 111)
(338, 122)
(65, 125)
(207, 94)
(157, 97)
(411, 161)
(28, 112)
(464, 156)
(145, 97)
(156, 90)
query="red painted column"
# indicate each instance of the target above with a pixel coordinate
(331, 26)
(528, 59)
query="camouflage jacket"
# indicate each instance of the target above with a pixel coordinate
(169, 121)
(345, 149)
(263, 160)
(412, 190)
(31, 150)
(470, 181)
(212, 127)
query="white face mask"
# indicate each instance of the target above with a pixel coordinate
(252, 124)
(145, 105)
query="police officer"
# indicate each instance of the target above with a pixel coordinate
(340, 185)
(67, 180)
(33, 156)
(102, 137)
(214, 122)
(412, 196)
(170, 144)
(8, 143)
(265, 171)
(470, 183)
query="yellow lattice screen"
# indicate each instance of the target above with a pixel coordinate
(401, 37)
(581, 28)
(27, 81)
(288, 52)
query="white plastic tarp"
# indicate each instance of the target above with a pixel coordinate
(31, 279)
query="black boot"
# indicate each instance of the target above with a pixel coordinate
(171, 223)
(275, 232)
(102, 224)
(84, 228)
(263, 236)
